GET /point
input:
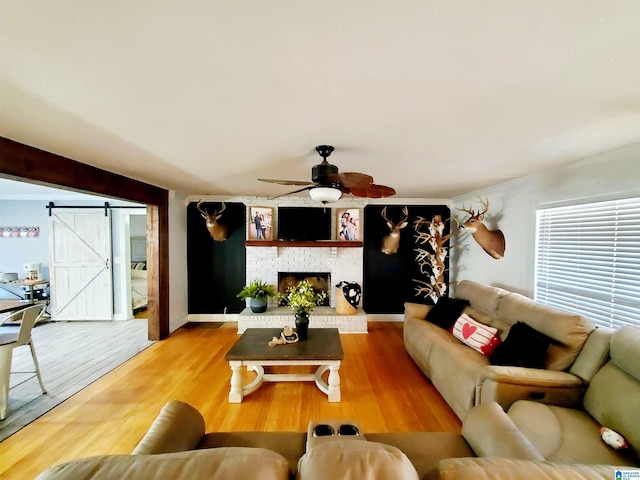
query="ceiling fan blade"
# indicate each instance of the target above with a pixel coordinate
(286, 182)
(353, 179)
(373, 191)
(295, 191)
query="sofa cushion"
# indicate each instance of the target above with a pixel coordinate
(503, 468)
(613, 397)
(523, 347)
(454, 372)
(212, 464)
(491, 433)
(563, 434)
(492, 321)
(625, 352)
(482, 297)
(569, 331)
(425, 449)
(420, 338)
(477, 335)
(291, 445)
(352, 460)
(446, 311)
(416, 310)
(594, 354)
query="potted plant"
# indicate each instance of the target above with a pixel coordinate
(259, 293)
(302, 298)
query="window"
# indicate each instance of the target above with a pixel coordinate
(588, 260)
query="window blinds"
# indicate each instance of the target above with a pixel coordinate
(588, 260)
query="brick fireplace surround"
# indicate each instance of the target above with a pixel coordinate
(341, 263)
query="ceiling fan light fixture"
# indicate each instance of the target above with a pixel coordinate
(325, 194)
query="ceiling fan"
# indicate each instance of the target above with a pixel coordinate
(327, 185)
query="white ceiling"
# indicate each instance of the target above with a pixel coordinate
(433, 98)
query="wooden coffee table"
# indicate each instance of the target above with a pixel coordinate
(322, 347)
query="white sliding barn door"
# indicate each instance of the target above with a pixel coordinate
(80, 264)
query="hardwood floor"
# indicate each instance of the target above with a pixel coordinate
(71, 355)
(382, 389)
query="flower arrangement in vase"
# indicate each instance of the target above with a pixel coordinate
(302, 298)
(259, 293)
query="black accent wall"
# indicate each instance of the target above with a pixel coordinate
(387, 279)
(216, 270)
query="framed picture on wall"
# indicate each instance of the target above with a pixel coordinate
(260, 223)
(348, 224)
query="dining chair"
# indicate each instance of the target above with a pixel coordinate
(10, 341)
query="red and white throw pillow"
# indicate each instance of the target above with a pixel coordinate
(478, 336)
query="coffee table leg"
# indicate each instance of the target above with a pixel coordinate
(334, 383)
(236, 392)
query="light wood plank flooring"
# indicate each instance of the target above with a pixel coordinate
(71, 355)
(382, 389)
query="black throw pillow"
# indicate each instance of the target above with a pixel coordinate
(523, 347)
(445, 313)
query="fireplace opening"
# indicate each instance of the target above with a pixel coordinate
(320, 281)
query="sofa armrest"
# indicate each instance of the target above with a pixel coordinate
(529, 376)
(491, 433)
(178, 427)
(416, 310)
(505, 385)
(499, 468)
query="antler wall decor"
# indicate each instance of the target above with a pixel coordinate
(217, 230)
(491, 241)
(431, 260)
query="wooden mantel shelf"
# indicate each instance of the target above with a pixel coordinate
(298, 243)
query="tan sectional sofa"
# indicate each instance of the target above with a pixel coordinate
(176, 448)
(525, 440)
(465, 377)
(566, 435)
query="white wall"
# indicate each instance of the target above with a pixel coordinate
(15, 252)
(513, 207)
(177, 261)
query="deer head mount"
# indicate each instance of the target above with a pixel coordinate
(391, 242)
(218, 231)
(491, 241)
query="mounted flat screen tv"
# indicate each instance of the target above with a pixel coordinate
(304, 223)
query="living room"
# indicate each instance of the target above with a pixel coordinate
(582, 145)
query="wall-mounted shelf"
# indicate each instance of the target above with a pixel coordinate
(299, 243)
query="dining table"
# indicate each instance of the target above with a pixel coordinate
(12, 305)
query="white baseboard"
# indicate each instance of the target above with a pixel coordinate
(212, 317)
(233, 317)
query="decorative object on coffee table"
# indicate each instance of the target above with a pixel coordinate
(259, 293)
(287, 336)
(302, 298)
